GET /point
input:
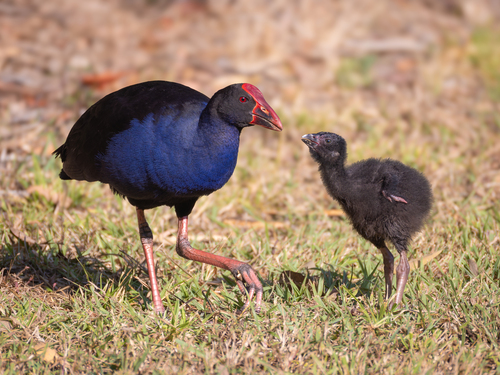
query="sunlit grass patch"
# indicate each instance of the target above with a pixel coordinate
(485, 55)
(355, 73)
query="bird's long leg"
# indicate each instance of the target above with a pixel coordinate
(388, 270)
(402, 272)
(240, 270)
(147, 245)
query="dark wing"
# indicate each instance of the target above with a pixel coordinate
(390, 179)
(113, 114)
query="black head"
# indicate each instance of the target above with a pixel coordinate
(242, 105)
(326, 147)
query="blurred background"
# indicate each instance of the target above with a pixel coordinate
(416, 80)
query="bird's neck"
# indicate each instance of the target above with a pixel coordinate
(213, 152)
(334, 177)
(222, 136)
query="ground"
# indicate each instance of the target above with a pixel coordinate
(416, 81)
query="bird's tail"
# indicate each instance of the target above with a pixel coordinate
(61, 153)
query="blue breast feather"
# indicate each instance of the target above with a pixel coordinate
(170, 155)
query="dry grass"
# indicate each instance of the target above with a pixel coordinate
(414, 81)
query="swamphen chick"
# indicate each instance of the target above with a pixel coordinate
(162, 143)
(384, 199)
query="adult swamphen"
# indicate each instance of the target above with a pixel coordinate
(162, 143)
(384, 199)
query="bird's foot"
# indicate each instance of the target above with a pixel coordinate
(159, 309)
(245, 274)
(242, 272)
(391, 303)
(391, 197)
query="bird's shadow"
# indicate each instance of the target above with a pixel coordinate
(40, 264)
(45, 265)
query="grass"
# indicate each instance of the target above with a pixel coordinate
(76, 287)
(485, 56)
(74, 297)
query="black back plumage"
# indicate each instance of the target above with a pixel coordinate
(112, 115)
(384, 199)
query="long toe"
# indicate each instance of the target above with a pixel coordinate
(245, 274)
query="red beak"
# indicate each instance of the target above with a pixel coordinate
(263, 114)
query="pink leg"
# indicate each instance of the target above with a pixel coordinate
(388, 270)
(241, 271)
(147, 244)
(402, 273)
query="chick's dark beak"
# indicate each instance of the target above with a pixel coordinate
(309, 140)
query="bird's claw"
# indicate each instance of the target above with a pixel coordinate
(245, 274)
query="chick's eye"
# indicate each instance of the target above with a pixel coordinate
(328, 141)
(243, 99)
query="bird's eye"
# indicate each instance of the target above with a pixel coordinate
(243, 99)
(328, 141)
